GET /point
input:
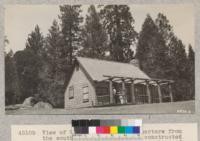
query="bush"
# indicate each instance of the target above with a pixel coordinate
(51, 92)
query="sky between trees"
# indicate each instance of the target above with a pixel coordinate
(20, 20)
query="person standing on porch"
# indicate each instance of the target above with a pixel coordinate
(115, 94)
(122, 96)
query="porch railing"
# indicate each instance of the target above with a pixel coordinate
(103, 100)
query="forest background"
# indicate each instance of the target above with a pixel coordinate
(43, 69)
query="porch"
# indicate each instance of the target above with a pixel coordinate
(120, 90)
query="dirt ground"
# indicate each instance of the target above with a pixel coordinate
(185, 107)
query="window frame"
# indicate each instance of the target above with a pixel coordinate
(85, 93)
(71, 96)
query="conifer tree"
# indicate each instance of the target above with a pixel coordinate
(35, 41)
(166, 31)
(151, 50)
(28, 66)
(177, 65)
(94, 35)
(51, 88)
(53, 47)
(178, 72)
(191, 71)
(164, 27)
(118, 22)
(12, 89)
(70, 26)
(29, 63)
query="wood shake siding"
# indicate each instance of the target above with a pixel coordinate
(78, 81)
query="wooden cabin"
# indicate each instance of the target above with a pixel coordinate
(97, 82)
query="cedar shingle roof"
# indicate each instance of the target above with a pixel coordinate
(98, 68)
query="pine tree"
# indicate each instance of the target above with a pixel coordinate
(191, 71)
(191, 55)
(178, 57)
(164, 27)
(29, 63)
(151, 50)
(35, 41)
(51, 88)
(53, 47)
(118, 22)
(28, 66)
(70, 25)
(94, 36)
(166, 31)
(178, 72)
(12, 90)
(177, 66)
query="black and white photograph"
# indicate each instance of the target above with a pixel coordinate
(99, 59)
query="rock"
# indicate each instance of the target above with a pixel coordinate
(29, 102)
(43, 105)
(13, 107)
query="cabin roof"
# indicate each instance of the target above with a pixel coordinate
(97, 69)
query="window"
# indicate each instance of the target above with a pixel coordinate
(85, 94)
(71, 92)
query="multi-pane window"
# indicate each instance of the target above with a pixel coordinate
(71, 92)
(85, 94)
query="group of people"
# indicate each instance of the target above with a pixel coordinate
(119, 96)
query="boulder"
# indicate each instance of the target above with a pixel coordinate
(13, 107)
(29, 102)
(43, 105)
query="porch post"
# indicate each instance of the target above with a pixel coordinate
(133, 92)
(159, 92)
(148, 92)
(111, 91)
(170, 92)
(124, 91)
(123, 87)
